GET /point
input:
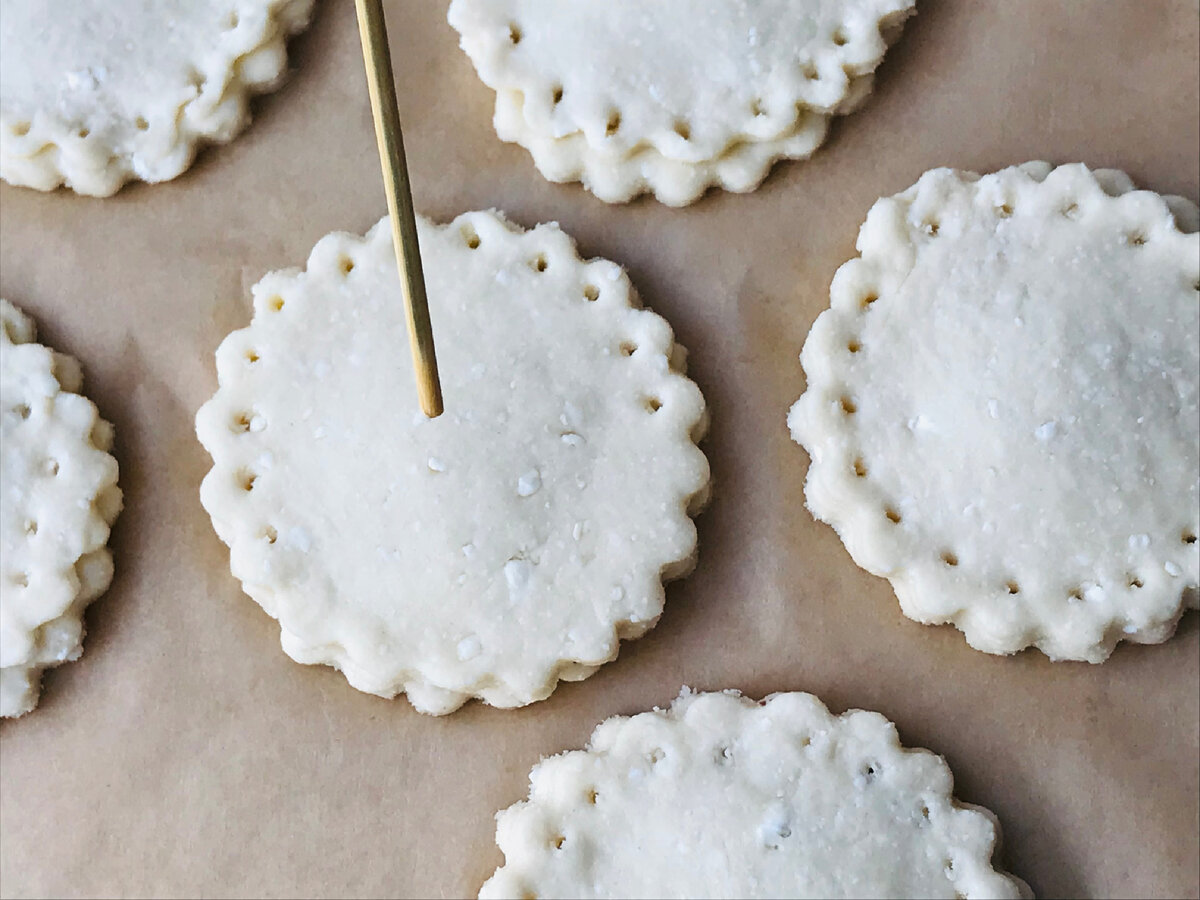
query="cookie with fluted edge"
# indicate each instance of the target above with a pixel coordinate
(59, 485)
(1002, 407)
(490, 552)
(99, 92)
(629, 98)
(719, 796)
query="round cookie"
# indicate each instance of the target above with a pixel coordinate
(627, 98)
(490, 552)
(103, 91)
(723, 797)
(1002, 407)
(59, 486)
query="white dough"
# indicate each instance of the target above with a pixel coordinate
(490, 552)
(722, 797)
(628, 97)
(60, 496)
(96, 92)
(1002, 407)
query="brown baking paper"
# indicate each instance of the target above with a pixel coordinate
(186, 755)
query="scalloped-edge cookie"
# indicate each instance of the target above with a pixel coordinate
(490, 552)
(625, 97)
(1002, 407)
(720, 796)
(59, 486)
(97, 92)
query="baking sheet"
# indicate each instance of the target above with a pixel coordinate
(186, 755)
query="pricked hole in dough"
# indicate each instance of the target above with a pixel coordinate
(849, 407)
(1012, 587)
(590, 796)
(196, 80)
(20, 129)
(853, 346)
(591, 293)
(1188, 537)
(231, 21)
(628, 348)
(557, 841)
(1072, 211)
(20, 579)
(345, 265)
(50, 467)
(656, 756)
(949, 866)
(141, 123)
(683, 129)
(84, 132)
(1135, 239)
(869, 298)
(930, 227)
(22, 410)
(806, 741)
(925, 813)
(269, 534)
(870, 772)
(950, 558)
(241, 422)
(31, 527)
(470, 237)
(539, 263)
(557, 96)
(614, 123)
(840, 39)
(893, 515)
(860, 467)
(514, 34)
(809, 71)
(652, 404)
(275, 304)
(757, 108)
(723, 755)
(252, 356)
(1134, 582)
(246, 479)
(1004, 210)
(1075, 594)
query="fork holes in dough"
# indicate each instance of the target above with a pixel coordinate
(1188, 537)
(275, 304)
(860, 468)
(656, 756)
(1134, 582)
(84, 132)
(557, 841)
(849, 407)
(470, 237)
(757, 108)
(683, 129)
(1075, 594)
(853, 346)
(252, 356)
(270, 535)
(1071, 211)
(141, 123)
(1135, 239)
(840, 39)
(539, 263)
(241, 423)
(231, 21)
(869, 298)
(31, 527)
(652, 404)
(345, 265)
(514, 34)
(50, 467)
(557, 95)
(950, 558)
(893, 515)
(628, 348)
(930, 227)
(22, 410)
(590, 796)
(1004, 210)
(20, 579)
(613, 125)
(591, 293)
(1012, 587)
(809, 71)
(20, 129)
(246, 479)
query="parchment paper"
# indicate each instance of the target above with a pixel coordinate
(186, 755)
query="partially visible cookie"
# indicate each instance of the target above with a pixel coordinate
(490, 552)
(719, 796)
(630, 98)
(94, 93)
(59, 486)
(1002, 407)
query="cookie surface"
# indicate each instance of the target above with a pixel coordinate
(60, 492)
(1002, 407)
(625, 96)
(723, 797)
(103, 91)
(490, 552)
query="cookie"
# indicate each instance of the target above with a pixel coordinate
(627, 97)
(490, 552)
(103, 91)
(60, 492)
(719, 796)
(1002, 407)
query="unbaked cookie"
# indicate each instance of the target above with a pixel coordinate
(59, 486)
(723, 797)
(1002, 407)
(94, 93)
(629, 97)
(507, 544)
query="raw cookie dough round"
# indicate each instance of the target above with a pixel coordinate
(59, 487)
(490, 552)
(630, 98)
(1002, 407)
(94, 93)
(723, 797)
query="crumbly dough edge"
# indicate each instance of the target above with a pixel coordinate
(851, 504)
(421, 691)
(93, 570)
(40, 150)
(822, 83)
(804, 713)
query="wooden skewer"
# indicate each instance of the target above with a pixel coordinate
(373, 31)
